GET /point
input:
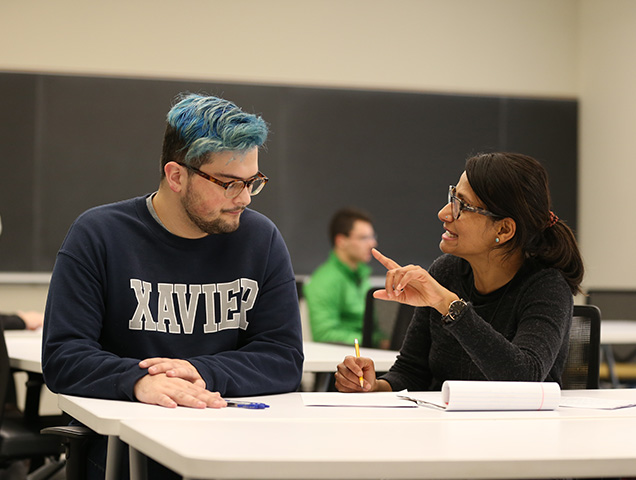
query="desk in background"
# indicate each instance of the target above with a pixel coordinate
(324, 357)
(25, 349)
(25, 353)
(616, 332)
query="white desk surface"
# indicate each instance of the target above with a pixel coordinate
(289, 440)
(372, 449)
(25, 349)
(618, 332)
(105, 416)
(324, 357)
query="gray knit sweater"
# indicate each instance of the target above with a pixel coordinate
(516, 333)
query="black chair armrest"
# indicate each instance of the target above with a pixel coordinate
(75, 439)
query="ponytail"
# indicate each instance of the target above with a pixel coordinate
(557, 248)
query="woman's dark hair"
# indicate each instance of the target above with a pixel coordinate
(516, 186)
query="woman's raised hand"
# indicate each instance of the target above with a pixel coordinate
(411, 285)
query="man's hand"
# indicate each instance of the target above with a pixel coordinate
(173, 367)
(159, 389)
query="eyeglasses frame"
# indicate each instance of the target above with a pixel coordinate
(226, 185)
(465, 206)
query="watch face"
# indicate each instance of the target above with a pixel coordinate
(456, 308)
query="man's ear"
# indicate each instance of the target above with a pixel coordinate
(176, 176)
(506, 229)
(339, 239)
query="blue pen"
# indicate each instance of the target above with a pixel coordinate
(252, 405)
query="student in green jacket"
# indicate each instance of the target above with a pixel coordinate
(336, 291)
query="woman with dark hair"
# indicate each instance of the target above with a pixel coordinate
(498, 304)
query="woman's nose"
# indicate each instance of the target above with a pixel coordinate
(446, 213)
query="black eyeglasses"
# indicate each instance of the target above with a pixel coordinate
(458, 205)
(234, 188)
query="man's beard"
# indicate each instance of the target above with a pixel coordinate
(211, 227)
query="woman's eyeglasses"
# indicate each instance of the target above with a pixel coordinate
(458, 205)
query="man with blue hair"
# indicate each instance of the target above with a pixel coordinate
(182, 296)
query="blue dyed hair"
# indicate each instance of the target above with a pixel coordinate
(199, 125)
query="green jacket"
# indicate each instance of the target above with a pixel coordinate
(335, 297)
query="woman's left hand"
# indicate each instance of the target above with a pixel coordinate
(412, 285)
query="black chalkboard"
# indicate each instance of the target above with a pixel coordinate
(68, 143)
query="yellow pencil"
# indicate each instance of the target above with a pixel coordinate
(358, 356)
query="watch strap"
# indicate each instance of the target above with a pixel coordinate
(455, 309)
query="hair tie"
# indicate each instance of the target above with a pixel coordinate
(553, 219)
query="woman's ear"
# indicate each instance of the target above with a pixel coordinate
(506, 229)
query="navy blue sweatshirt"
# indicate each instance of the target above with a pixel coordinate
(124, 289)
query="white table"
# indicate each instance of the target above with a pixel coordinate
(319, 358)
(317, 442)
(372, 450)
(616, 332)
(324, 357)
(25, 349)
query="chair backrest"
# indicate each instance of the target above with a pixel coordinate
(5, 372)
(581, 369)
(305, 325)
(390, 318)
(614, 304)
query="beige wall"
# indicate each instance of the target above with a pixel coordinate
(493, 46)
(607, 89)
(554, 48)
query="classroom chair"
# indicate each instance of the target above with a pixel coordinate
(20, 437)
(616, 304)
(391, 319)
(581, 369)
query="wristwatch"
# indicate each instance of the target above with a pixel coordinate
(455, 309)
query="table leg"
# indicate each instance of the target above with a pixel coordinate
(113, 458)
(138, 465)
(611, 364)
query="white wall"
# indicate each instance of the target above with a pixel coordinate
(492, 46)
(607, 92)
(555, 48)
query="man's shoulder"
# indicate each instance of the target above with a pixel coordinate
(105, 221)
(328, 272)
(252, 218)
(106, 211)
(255, 226)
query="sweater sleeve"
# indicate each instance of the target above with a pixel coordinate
(537, 350)
(12, 322)
(73, 359)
